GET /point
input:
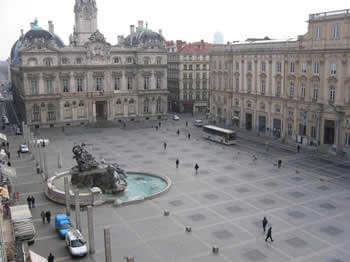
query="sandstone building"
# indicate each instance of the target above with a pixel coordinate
(89, 79)
(296, 89)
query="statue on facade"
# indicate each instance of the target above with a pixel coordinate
(110, 178)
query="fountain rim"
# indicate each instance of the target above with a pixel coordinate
(51, 188)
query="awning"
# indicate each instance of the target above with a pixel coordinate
(3, 137)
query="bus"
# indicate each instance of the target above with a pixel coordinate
(220, 135)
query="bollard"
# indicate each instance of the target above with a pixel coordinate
(77, 210)
(107, 239)
(67, 195)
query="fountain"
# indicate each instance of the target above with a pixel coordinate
(111, 182)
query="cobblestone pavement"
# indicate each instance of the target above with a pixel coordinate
(306, 201)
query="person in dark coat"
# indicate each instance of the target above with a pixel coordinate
(29, 201)
(160, 124)
(177, 163)
(165, 145)
(42, 214)
(186, 123)
(156, 128)
(178, 132)
(19, 153)
(8, 163)
(51, 258)
(8, 155)
(48, 216)
(269, 234)
(189, 136)
(196, 167)
(33, 201)
(298, 148)
(279, 163)
(264, 224)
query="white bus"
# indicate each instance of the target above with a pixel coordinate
(218, 134)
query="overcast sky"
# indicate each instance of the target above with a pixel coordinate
(189, 20)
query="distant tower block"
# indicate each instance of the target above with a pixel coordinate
(218, 38)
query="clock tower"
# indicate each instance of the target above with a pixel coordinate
(85, 20)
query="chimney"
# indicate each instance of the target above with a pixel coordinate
(178, 45)
(51, 27)
(161, 32)
(140, 27)
(132, 29)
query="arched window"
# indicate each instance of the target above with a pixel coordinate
(146, 61)
(116, 60)
(81, 103)
(262, 106)
(131, 101)
(249, 104)
(32, 61)
(51, 112)
(118, 102)
(65, 61)
(79, 61)
(47, 61)
(36, 113)
(146, 105)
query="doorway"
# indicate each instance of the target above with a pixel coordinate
(262, 124)
(248, 121)
(101, 110)
(277, 123)
(329, 132)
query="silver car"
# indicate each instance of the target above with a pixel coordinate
(76, 243)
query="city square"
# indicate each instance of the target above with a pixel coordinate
(306, 201)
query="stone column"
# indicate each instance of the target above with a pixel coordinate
(23, 131)
(46, 171)
(339, 119)
(67, 195)
(107, 238)
(91, 229)
(41, 162)
(59, 160)
(77, 210)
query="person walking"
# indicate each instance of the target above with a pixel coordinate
(279, 163)
(33, 202)
(42, 214)
(8, 163)
(298, 148)
(156, 128)
(196, 167)
(159, 124)
(51, 258)
(269, 234)
(8, 145)
(264, 224)
(19, 153)
(186, 124)
(8, 154)
(189, 136)
(48, 216)
(177, 163)
(29, 201)
(165, 145)
(178, 132)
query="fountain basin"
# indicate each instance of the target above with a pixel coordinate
(141, 186)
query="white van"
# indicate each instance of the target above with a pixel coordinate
(198, 123)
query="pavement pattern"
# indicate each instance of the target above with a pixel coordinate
(306, 201)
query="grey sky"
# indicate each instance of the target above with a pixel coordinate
(180, 19)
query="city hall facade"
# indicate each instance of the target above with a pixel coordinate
(296, 89)
(89, 79)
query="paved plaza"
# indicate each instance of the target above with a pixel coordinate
(306, 201)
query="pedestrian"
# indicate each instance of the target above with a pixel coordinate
(178, 132)
(8, 145)
(42, 214)
(269, 234)
(43, 143)
(19, 153)
(8, 155)
(156, 128)
(48, 216)
(124, 124)
(177, 163)
(8, 163)
(29, 201)
(51, 258)
(160, 124)
(298, 148)
(279, 163)
(196, 167)
(189, 136)
(165, 145)
(264, 224)
(3, 144)
(186, 124)
(62, 129)
(33, 202)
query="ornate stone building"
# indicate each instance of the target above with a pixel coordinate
(89, 79)
(297, 89)
(188, 77)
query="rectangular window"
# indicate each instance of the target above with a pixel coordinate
(249, 66)
(49, 86)
(262, 87)
(302, 90)
(303, 67)
(291, 89)
(237, 84)
(279, 67)
(313, 132)
(302, 130)
(316, 68)
(335, 32)
(290, 129)
(79, 82)
(99, 84)
(146, 82)
(292, 67)
(315, 94)
(220, 82)
(249, 85)
(158, 83)
(204, 84)
(185, 76)
(198, 67)
(263, 67)
(66, 85)
(130, 83)
(117, 83)
(204, 76)
(347, 139)
(34, 85)
(318, 33)
(333, 69)
(278, 88)
(332, 94)
(237, 66)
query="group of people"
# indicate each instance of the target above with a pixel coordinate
(31, 201)
(269, 231)
(46, 216)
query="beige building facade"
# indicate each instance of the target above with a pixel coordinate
(296, 89)
(89, 79)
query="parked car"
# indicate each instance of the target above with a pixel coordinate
(76, 243)
(41, 140)
(5, 120)
(176, 117)
(62, 224)
(198, 123)
(24, 148)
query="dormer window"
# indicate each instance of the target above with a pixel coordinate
(318, 33)
(146, 61)
(78, 61)
(47, 62)
(335, 32)
(64, 61)
(130, 60)
(116, 60)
